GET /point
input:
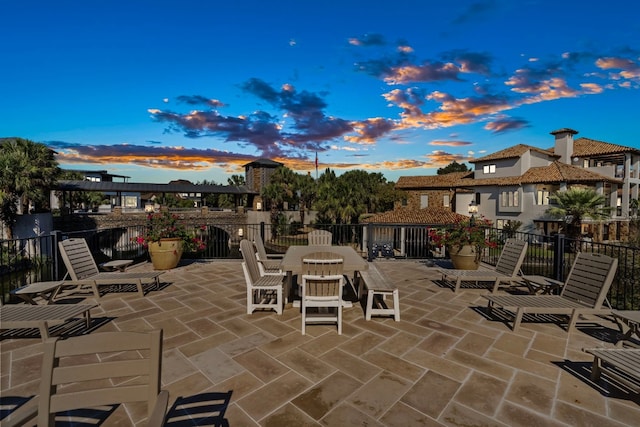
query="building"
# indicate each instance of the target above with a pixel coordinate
(515, 184)
(257, 175)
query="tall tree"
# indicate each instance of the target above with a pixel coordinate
(28, 172)
(453, 167)
(281, 189)
(576, 204)
(306, 191)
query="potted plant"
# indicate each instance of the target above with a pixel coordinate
(465, 241)
(166, 239)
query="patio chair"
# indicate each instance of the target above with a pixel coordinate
(319, 238)
(621, 364)
(17, 316)
(584, 292)
(83, 269)
(270, 262)
(96, 371)
(506, 270)
(263, 291)
(322, 283)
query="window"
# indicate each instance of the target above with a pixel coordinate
(542, 197)
(489, 169)
(424, 201)
(509, 199)
(445, 201)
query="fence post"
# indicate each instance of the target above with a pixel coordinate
(368, 242)
(262, 231)
(55, 238)
(558, 257)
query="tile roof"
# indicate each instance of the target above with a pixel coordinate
(556, 172)
(416, 216)
(432, 181)
(513, 152)
(583, 147)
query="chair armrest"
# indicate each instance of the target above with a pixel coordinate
(20, 416)
(159, 410)
(275, 256)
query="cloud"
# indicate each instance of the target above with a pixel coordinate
(476, 11)
(199, 100)
(368, 40)
(451, 143)
(505, 124)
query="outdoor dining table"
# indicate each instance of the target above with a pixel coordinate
(292, 262)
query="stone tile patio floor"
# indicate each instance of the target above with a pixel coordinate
(444, 364)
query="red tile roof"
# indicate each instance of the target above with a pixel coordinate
(413, 216)
(432, 181)
(584, 147)
(512, 153)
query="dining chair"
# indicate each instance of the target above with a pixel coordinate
(322, 283)
(319, 238)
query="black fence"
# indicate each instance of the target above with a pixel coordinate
(25, 261)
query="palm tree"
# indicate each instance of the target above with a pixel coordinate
(28, 171)
(576, 204)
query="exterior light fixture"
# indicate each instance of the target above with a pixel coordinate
(473, 210)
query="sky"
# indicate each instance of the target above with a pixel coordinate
(194, 89)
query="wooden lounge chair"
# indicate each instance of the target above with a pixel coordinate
(16, 316)
(99, 369)
(263, 291)
(506, 270)
(322, 283)
(584, 292)
(622, 364)
(83, 269)
(319, 238)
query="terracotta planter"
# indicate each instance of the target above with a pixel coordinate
(166, 253)
(464, 257)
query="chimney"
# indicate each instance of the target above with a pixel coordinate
(564, 144)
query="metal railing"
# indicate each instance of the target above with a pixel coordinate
(25, 261)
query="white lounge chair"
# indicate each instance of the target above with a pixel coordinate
(18, 316)
(83, 269)
(506, 270)
(584, 292)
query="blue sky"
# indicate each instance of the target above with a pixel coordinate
(160, 90)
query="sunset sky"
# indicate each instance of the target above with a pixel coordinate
(193, 89)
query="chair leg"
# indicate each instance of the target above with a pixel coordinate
(249, 300)
(339, 308)
(495, 286)
(573, 319)
(139, 286)
(304, 318)
(518, 319)
(595, 369)
(279, 301)
(396, 305)
(458, 284)
(370, 297)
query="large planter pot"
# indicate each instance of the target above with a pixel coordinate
(464, 257)
(166, 253)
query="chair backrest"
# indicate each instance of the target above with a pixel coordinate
(260, 250)
(322, 275)
(322, 264)
(319, 238)
(250, 263)
(105, 368)
(325, 286)
(77, 258)
(511, 257)
(590, 279)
